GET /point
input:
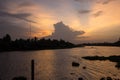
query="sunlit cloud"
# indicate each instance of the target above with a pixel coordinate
(64, 32)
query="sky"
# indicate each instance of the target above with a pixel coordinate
(77, 21)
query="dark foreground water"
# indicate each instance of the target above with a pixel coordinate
(57, 64)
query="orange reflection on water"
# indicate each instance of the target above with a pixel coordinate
(45, 70)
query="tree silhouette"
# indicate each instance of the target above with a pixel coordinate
(7, 38)
(6, 44)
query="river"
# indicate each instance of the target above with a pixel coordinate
(57, 64)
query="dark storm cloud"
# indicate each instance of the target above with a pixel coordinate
(98, 13)
(64, 32)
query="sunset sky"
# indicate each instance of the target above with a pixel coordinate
(85, 20)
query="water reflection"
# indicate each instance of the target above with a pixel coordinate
(45, 65)
(57, 64)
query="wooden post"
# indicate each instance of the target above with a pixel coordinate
(32, 69)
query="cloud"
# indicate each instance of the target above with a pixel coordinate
(7, 5)
(85, 11)
(84, 8)
(104, 1)
(27, 3)
(22, 16)
(79, 0)
(65, 32)
(10, 8)
(98, 13)
(97, 1)
(83, 0)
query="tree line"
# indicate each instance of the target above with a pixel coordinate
(7, 44)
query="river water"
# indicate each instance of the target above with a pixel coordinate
(57, 64)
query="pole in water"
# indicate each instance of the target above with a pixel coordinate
(32, 69)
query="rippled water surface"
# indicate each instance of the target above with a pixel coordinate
(57, 64)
